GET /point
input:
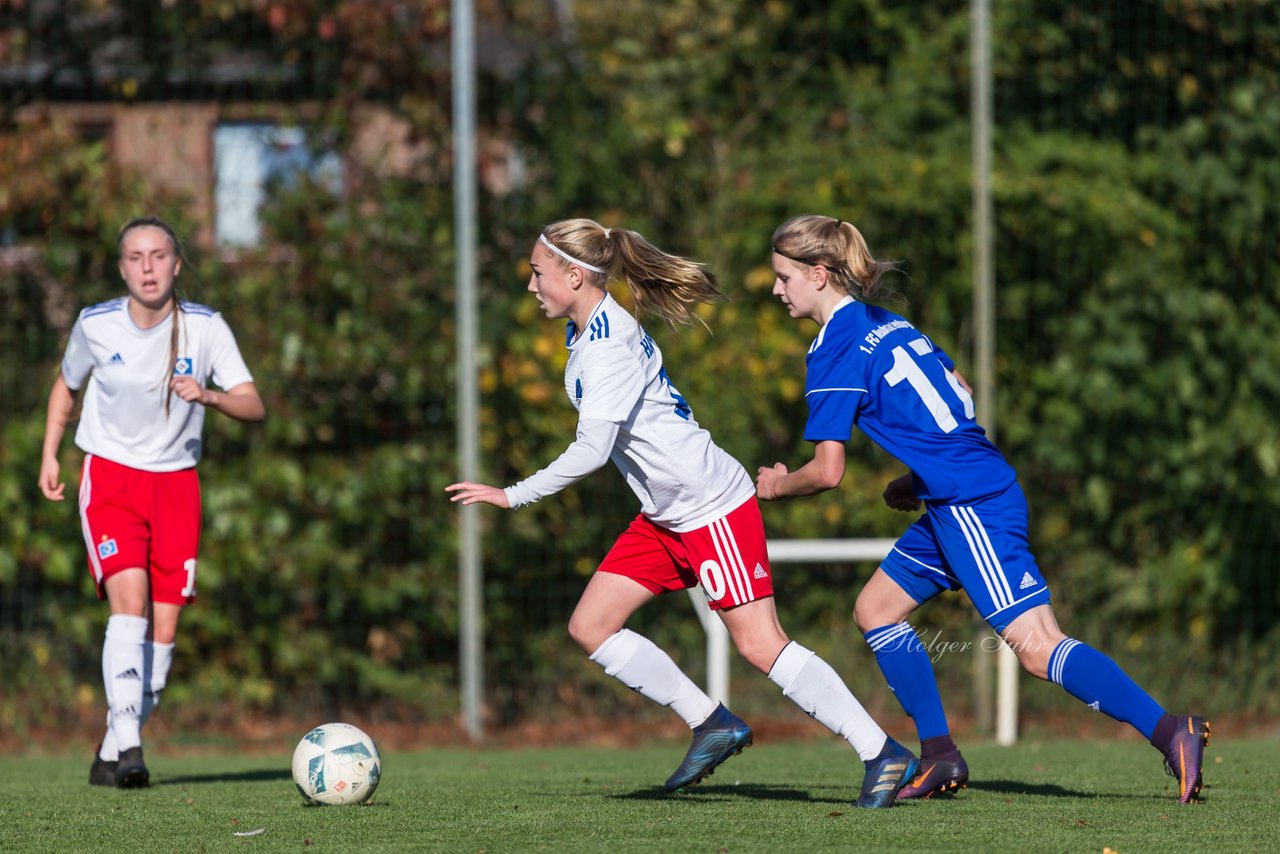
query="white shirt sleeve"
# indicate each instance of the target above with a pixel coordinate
(227, 365)
(588, 452)
(77, 362)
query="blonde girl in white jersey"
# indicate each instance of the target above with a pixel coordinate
(699, 522)
(144, 361)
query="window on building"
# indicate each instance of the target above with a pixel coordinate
(250, 160)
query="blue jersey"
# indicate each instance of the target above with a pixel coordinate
(872, 369)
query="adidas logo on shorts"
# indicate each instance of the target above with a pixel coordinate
(1027, 581)
(760, 573)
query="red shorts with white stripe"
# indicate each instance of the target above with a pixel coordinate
(729, 557)
(141, 519)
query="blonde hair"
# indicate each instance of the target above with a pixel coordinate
(664, 285)
(175, 329)
(837, 245)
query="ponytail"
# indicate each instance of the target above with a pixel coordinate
(665, 286)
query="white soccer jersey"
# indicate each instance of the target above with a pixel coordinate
(129, 370)
(615, 373)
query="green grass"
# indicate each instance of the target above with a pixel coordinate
(776, 797)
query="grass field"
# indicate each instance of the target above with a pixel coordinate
(775, 797)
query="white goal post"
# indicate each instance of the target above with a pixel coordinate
(841, 551)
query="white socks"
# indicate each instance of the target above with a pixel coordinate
(805, 679)
(130, 662)
(636, 662)
(811, 684)
(122, 666)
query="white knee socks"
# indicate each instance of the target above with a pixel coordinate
(125, 691)
(815, 687)
(122, 666)
(636, 662)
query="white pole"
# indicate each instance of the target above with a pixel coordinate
(717, 647)
(984, 288)
(827, 551)
(470, 573)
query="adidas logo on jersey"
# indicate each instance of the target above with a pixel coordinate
(760, 573)
(1027, 581)
(599, 327)
(117, 359)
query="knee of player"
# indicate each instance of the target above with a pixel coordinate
(1033, 659)
(585, 634)
(759, 652)
(869, 614)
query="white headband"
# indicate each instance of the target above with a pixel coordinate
(542, 238)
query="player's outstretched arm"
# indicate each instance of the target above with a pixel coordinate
(470, 493)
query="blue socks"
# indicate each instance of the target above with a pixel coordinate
(909, 672)
(1085, 673)
(1098, 682)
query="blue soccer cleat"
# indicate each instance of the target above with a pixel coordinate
(1184, 757)
(886, 774)
(720, 736)
(936, 778)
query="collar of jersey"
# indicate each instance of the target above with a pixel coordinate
(571, 331)
(817, 342)
(152, 330)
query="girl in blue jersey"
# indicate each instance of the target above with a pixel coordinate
(699, 522)
(872, 369)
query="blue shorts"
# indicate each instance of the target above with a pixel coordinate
(981, 548)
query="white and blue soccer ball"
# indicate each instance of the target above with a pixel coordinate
(336, 764)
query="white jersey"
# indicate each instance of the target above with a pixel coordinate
(615, 373)
(123, 417)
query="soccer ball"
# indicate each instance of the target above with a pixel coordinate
(336, 763)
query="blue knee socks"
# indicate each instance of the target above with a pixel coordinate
(909, 672)
(1098, 682)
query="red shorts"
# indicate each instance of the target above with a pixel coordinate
(728, 558)
(141, 519)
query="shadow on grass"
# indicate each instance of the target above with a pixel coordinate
(790, 793)
(1020, 787)
(704, 794)
(262, 775)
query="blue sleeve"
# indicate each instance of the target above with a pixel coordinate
(834, 392)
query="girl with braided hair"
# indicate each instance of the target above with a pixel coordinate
(144, 360)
